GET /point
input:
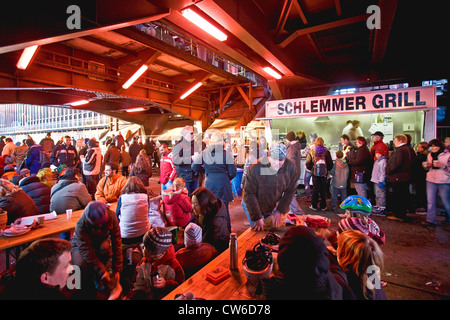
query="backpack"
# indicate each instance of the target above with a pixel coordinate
(320, 165)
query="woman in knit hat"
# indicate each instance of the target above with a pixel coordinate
(195, 254)
(158, 272)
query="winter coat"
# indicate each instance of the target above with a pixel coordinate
(400, 164)
(38, 191)
(340, 174)
(293, 154)
(132, 213)
(218, 171)
(379, 170)
(360, 161)
(112, 155)
(177, 207)
(143, 176)
(109, 188)
(69, 194)
(32, 160)
(167, 170)
(266, 189)
(134, 150)
(438, 176)
(64, 154)
(168, 268)
(195, 257)
(183, 160)
(18, 205)
(126, 159)
(92, 162)
(310, 159)
(215, 230)
(87, 240)
(379, 145)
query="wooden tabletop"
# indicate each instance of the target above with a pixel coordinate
(236, 286)
(49, 228)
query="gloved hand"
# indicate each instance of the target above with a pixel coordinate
(381, 185)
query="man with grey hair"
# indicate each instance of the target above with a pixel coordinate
(270, 187)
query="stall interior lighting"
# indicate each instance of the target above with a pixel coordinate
(135, 76)
(79, 103)
(195, 87)
(272, 72)
(26, 57)
(135, 109)
(196, 19)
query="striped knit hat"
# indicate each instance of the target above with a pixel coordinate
(370, 228)
(192, 234)
(157, 240)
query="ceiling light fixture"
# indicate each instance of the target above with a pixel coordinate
(195, 87)
(135, 76)
(272, 72)
(26, 57)
(135, 109)
(200, 22)
(79, 103)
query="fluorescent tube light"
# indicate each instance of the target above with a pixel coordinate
(198, 85)
(26, 57)
(135, 109)
(79, 103)
(272, 72)
(200, 22)
(135, 76)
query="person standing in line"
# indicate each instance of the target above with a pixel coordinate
(293, 154)
(360, 166)
(378, 144)
(379, 178)
(307, 176)
(398, 174)
(168, 171)
(339, 181)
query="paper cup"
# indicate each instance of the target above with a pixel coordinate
(69, 213)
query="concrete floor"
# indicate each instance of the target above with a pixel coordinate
(417, 258)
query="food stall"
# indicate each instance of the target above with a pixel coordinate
(401, 111)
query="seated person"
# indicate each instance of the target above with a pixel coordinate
(158, 272)
(45, 174)
(69, 193)
(41, 271)
(195, 254)
(132, 211)
(16, 202)
(38, 191)
(177, 204)
(10, 172)
(110, 186)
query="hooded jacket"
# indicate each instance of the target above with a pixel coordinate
(167, 170)
(177, 207)
(92, 162)
(38, 191)
(311, 157)
(32, 160)
(340, 174)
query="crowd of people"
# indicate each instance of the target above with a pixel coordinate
(195, 195)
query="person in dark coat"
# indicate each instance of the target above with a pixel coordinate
(219, 168)
(305, 266)
(183, 155)
(134, 149)
(319, 179)
(64, 153)
(361, 164)
(33, 159)
(398, 174)
(38, 191)
(97, 250)
(211, 216)
(15, 202)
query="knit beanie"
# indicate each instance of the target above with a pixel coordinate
(290, 136)
(95, 211)
(370, 229)
(192, 234)
(157, 240)
(278, 151)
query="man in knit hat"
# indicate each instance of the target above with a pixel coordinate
(158, 272)
(195, 254)
(270, 187)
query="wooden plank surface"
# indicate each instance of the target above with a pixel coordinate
(49, 228)
(233, 288)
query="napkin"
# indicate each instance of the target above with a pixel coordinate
(30, 219)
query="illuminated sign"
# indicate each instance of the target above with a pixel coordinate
(382, 101)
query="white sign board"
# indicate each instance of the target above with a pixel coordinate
(383, 101)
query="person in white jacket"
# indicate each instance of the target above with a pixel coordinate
(91, 166)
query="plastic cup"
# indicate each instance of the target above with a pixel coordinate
(41, 220)
(69, 213)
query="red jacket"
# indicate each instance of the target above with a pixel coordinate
(177, 207)
(379, 145)
(167, 169)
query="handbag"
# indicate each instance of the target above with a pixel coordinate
(359, 177)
